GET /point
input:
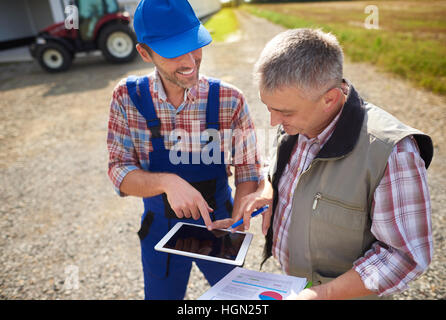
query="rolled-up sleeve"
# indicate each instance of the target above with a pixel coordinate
(401, 222)
(122, 154)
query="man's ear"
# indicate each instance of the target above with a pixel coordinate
(143, 53)
(331, 99)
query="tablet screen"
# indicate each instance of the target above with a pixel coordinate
(215, 243)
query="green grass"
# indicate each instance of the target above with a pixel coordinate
(410, 42)
(222, 24)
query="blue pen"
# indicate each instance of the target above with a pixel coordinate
(255, 213)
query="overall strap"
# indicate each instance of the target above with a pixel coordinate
(131, 88)
(213, 105)
(144, 104)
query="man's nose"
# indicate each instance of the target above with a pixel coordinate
(188, 60)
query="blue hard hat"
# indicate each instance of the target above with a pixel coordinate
(169, 27)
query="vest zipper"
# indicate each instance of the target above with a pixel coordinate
(318, 196)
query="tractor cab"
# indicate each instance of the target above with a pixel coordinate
(94, 25)
(91, 12)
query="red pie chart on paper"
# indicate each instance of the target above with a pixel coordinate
(270, 295)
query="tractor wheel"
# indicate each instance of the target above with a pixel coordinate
(117, 43)
(54, 57)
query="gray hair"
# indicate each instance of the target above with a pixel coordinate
(310, 59)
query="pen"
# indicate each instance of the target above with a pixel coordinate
(255, 213)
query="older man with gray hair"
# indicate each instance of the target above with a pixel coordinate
(347, 183)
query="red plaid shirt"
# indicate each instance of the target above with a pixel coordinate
(129, 142)
(401, 214)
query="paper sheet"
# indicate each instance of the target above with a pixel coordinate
(244, 284)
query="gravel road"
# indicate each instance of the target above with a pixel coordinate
(60, 218)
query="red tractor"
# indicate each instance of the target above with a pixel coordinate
(101, 25)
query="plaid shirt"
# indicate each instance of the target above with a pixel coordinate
(129, 142)
(401, 220)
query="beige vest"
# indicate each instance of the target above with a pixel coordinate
(332, 203)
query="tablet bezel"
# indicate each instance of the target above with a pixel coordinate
(239, 260)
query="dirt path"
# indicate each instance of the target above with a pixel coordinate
(59, 212)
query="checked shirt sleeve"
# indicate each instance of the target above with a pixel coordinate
(246, 156)
(122, 154)
(401, 222)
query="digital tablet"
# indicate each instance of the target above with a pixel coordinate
(198, 242)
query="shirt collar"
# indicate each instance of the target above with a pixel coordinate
(323, 137)
(190, 94)
(328, 131)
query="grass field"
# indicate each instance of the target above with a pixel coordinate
(410, 41)
(222, 24)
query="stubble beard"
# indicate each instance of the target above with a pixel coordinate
(175, 80)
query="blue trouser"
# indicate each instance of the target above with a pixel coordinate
(166, 275)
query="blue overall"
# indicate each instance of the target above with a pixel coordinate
(166, 275)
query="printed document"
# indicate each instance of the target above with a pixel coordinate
(244, 284)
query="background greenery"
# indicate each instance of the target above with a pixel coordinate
(222, 24)
(410, 42)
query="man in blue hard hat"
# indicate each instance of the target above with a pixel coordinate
(145, 115)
